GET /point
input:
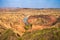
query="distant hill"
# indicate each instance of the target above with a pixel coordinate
(31, 11)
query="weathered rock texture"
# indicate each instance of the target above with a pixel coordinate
(13, 18)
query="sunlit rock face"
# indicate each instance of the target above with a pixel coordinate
(12, 21)
(40, 22)
(45, 20)
(13, 18)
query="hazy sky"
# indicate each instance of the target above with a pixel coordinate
(30, 3)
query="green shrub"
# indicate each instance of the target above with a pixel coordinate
(28, 26)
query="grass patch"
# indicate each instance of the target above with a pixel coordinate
(45, 34)
(9, 35)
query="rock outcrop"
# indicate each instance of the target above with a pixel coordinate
(41, 21)
(12, 21)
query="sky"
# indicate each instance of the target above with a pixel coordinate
(30, 3)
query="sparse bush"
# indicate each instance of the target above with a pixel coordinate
(45, 34)
(29, 26)
(9, 35)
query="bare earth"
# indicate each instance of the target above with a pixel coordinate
(13, 18)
